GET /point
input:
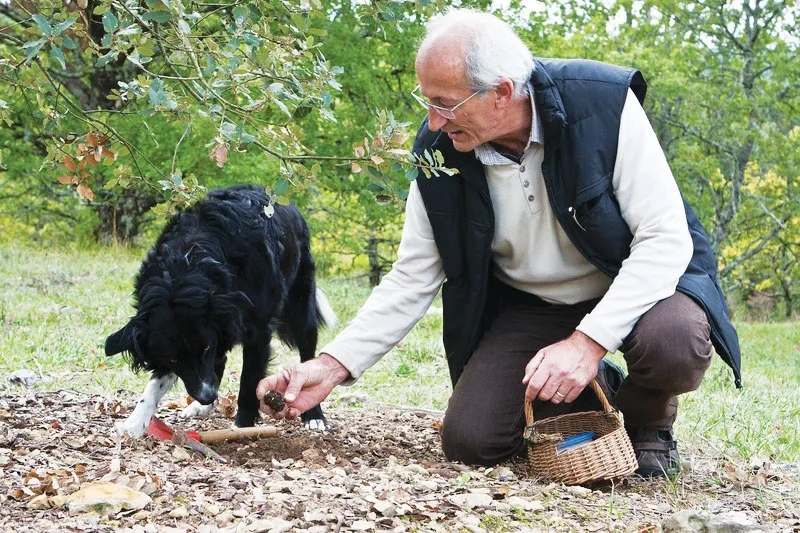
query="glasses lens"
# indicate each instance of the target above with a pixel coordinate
(445, 112)
(419, 98)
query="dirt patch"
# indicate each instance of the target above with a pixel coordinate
(379, 469)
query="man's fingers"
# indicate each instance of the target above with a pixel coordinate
(265, 385)
(532, 367)
(296, 380)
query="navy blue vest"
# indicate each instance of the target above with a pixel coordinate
(580, 104)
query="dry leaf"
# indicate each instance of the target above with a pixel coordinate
(219, 154)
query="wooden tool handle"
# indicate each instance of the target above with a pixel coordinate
(220, 435)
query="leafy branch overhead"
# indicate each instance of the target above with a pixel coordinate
(122, 79)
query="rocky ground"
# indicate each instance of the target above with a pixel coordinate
(379, 469)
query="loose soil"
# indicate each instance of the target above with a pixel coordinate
(376, 469)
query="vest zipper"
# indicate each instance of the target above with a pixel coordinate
(574, 214)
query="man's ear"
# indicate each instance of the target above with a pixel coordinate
(121, 341)
(504, 89)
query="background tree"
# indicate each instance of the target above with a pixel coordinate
(723, 97)
(130, 102)
(145, 87)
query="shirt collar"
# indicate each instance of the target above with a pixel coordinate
(488, 155)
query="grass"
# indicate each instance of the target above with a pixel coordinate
(58, 305)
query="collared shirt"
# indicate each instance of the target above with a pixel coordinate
(530, 249)
(488, 155)
(649, 201)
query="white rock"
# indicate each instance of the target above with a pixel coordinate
(525, 504)
(577, 490)
(471, 499)
(270, 525)
(691, 521)
(363, 525)
(179, 512)
(387, 509)
(101, 495)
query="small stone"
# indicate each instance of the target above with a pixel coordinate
(179, 512)
(211, 509)
(691, 521)
(525, 504)
(503, 473)
(223, 518)
(472, 499)
(179, 453)
(387, 509)
(24, 378)
(363, 525)
(577, 490)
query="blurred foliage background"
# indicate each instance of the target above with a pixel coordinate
(114, 113)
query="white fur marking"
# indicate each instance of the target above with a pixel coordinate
(325, 310)
(197, 409)
(316, 424)
(136, 424)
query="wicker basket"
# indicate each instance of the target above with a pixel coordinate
(609, 455)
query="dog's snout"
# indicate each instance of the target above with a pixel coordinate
(206, 394)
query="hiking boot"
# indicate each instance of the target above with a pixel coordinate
(656, 452)
(610, 377)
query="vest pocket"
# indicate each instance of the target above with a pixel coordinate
(600, 230)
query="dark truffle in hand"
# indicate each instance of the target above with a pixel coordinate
(274, 400)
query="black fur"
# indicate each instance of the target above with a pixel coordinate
(224, 273)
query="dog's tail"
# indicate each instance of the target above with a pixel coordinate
(325, 313)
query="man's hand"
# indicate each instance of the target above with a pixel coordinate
(303, 386)
(559, 372)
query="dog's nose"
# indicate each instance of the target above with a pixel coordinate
(206, 394)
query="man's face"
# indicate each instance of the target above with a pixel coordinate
(443, 82)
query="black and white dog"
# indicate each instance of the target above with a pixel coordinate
(232, 269)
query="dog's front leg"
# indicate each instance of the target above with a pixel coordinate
(136, 424)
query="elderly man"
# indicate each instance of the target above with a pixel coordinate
(563, 237)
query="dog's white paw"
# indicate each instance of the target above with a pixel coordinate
(316, 424)
(198, 410)
(133, 427)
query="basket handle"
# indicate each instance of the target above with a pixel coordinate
(595, 387)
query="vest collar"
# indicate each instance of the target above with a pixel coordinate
(549, 105)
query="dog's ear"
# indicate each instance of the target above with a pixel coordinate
(121, 341)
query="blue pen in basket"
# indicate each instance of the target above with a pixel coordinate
(575, 441)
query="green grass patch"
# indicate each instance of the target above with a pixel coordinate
(58, 305)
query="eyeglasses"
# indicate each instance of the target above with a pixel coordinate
(447, 112)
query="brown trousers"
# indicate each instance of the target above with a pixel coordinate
(667, 353)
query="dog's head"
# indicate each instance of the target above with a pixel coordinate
(179, 327)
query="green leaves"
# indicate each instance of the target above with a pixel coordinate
(53, 33)
(110, 22)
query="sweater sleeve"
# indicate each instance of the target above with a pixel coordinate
(403, 296)
(651, 205)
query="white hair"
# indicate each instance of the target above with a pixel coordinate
(492, 48)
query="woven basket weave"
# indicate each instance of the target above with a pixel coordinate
(608, 456)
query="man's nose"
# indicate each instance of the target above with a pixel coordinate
(435, 120)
